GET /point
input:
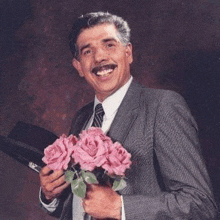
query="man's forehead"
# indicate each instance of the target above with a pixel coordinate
(102, 32)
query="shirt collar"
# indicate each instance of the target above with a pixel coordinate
(112, 103)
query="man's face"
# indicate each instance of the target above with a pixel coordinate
(103, 60)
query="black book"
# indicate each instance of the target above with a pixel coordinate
(26, 144)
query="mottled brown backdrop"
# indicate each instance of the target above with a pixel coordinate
(176, 46)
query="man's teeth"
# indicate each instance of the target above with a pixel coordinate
(104, 72)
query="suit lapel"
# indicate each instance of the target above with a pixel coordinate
(82, 119)
(124, 119)
(126, 115)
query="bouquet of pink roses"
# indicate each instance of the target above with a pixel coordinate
(89, 159)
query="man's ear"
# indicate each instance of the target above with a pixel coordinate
(129, 52)
(78, 66)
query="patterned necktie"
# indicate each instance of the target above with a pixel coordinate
(98, 117)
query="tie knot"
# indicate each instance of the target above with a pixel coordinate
(99, 109)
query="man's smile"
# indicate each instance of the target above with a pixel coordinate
(104, 70)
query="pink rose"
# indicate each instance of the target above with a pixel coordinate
(58, 155)
(95, 131)
(91, 149)
(118, 160)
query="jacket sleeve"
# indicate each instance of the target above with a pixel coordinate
(63, 207)
(188, 193)
(54, 208)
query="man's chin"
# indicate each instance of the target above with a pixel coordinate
(104, 92)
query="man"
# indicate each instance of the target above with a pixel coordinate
(168, 178)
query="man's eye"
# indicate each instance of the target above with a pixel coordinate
(109, 45)
(86, 52)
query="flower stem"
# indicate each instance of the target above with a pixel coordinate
(75, 171)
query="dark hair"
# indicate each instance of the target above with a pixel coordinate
(92, 19)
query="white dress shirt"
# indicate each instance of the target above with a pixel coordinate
(110, 106)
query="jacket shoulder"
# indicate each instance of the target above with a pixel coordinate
(158, 95)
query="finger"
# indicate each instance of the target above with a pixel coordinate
(56, 175)
(88, 187)
(88, 195)
(84, 203)
(92, 187)
(87, 206)
(89, 191)
(51, 177)
(57, 191)
(59, 181)
(60, 189)
(45, 171)
(49, 185)
(50, 192)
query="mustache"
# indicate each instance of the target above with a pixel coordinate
(103, 67)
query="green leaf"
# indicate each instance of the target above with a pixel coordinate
(89, 177)
(69, 175)
(119, 184)
(79, 187)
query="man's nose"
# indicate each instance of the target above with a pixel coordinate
(100, 55)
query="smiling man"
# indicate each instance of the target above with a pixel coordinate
(168, 178)
(103, 59)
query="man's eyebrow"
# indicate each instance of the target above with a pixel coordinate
(84, 47)
(109, 39)
(104, 40)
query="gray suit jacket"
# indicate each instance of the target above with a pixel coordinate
(168, 178)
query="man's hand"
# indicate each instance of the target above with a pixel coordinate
(52, 183)
(102, 202)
